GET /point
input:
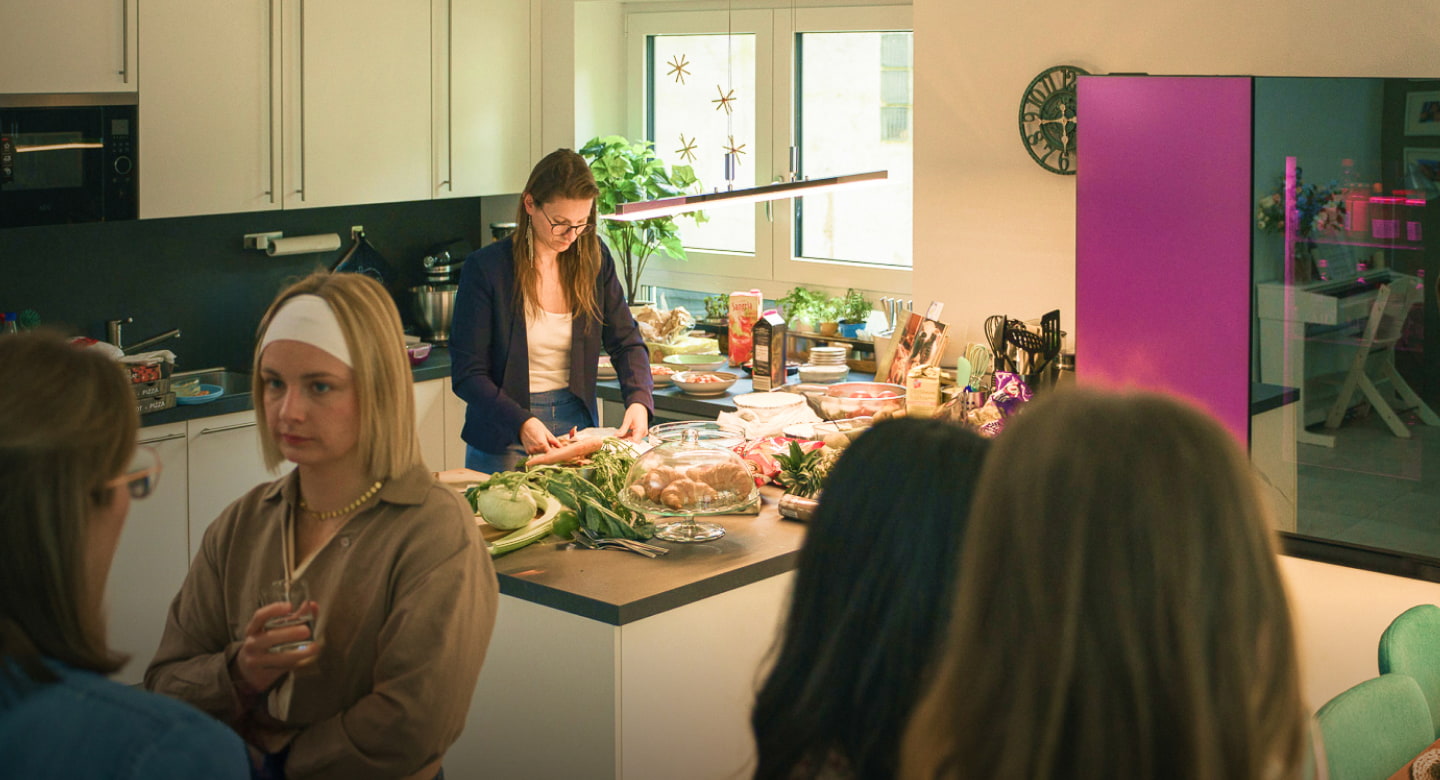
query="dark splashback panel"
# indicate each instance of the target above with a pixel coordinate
(193, 273)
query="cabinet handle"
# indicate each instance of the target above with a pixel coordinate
(158, 439)
(224, 428)
(301, 191)
(124, 42)
(449, 96)
(270, 80)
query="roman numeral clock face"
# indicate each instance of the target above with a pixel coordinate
(1047, 119)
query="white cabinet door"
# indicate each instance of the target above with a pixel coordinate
(225, 462)
(482, 97)
(454, 423)
(357, 108)
(430, 421)
(152, 558)
(209, 117)
(68, 46)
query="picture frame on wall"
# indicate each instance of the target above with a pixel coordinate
(1422, 171)
(1422, 113)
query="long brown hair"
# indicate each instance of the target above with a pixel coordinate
(562, 174)
(1119, 612)
(384, 387)
(67, 427)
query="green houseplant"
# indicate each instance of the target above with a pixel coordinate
(626, 172)
(854, 310)
(803, 306)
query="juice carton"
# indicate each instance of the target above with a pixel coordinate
(744, 312)
(769, 370)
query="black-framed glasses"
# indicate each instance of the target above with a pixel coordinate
(561, 228)
(143, 475)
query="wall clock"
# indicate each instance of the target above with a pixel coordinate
(1047, 118)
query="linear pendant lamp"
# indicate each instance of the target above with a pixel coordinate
(664, 207)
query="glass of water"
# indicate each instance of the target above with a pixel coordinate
(294, 593)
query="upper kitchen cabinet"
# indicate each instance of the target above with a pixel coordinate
(68, 46)
(299, 103)
(482, 94)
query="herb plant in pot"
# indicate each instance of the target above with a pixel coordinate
(626, 172)
(800, 307)
(854, 310)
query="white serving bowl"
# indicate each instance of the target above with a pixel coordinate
(694, 383)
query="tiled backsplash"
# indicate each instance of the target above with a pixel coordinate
(194, 274)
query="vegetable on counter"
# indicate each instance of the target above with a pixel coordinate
(803, 473)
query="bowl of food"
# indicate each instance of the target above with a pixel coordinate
(418, 353)
(661, 374)
(862, 399)
(696, 362)
(704, 382)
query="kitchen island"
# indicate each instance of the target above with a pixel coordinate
(606, 664)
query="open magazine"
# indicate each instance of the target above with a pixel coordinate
(922, 343)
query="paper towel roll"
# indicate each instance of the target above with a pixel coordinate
(299, 245)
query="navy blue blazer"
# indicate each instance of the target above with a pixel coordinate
(490, 354)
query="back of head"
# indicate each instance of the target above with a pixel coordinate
(1120, 611)
(383, 383)
(871, 600)
(67, 427)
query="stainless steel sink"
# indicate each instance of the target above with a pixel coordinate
(233, 382)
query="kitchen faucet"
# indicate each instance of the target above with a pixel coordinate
(113, 335)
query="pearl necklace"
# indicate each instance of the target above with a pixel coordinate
(351, 507)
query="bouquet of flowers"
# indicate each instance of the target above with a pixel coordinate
(1320, 208)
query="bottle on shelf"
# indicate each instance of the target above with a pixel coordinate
(1357, 201)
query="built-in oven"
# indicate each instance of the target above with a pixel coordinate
(66, 159)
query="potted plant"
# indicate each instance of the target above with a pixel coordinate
(827, 316)
(854, 310)
(626, 172)
(800, 307)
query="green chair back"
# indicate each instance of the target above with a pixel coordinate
(1411, 646)
(1375, 728)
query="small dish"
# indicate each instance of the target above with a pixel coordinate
(696, 362)
(204, 394)
(606, 369)
(661, 374)
(822, 374)
(418, 353)
(704, 382)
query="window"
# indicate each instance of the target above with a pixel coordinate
(836, 84)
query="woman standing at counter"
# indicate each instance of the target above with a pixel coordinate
(401, 595)
(531, 315)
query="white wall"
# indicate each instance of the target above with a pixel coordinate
(994, 233)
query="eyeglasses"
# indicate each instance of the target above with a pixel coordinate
(143, 474)
(561, 228)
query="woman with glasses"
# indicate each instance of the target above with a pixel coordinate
(69, 469)
(531, 316)
(369, 674)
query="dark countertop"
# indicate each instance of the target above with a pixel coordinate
(618, 587)
(437, 366)
(672, 399)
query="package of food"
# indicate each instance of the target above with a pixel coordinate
(744, 312)
(769, 348)
(922, 391)
(686, 345)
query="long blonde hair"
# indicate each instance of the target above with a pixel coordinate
(384, 386)
(67, 427)
(561, 174)
(1119, 612)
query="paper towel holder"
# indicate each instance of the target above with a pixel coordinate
(261, 241)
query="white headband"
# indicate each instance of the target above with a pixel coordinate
(308, 320)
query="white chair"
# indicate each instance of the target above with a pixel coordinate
(1375, 360)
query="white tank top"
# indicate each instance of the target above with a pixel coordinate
(549, 337)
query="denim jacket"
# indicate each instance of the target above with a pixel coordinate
(85, 726)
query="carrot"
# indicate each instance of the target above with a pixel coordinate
(580, 448)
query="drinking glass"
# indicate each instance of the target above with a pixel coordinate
(294, 593)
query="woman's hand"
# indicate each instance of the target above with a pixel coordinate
(259, 668)
(636, 423)
(536, 437)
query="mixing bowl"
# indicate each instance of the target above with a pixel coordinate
(434, 308)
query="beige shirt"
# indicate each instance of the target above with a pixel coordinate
(548, 338)
(407, 598)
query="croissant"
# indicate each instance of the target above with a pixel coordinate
(684, 493)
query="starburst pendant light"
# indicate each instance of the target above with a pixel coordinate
(796, 186)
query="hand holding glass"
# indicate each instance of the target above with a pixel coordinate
(295, 594)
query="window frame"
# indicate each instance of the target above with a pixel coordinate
(773, 268)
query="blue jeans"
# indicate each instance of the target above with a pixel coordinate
(559, 410)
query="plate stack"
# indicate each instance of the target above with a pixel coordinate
(827, 364)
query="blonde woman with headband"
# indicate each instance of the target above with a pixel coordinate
(1119, 612)
(401, 595)
(531, 316)
(69, 470)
